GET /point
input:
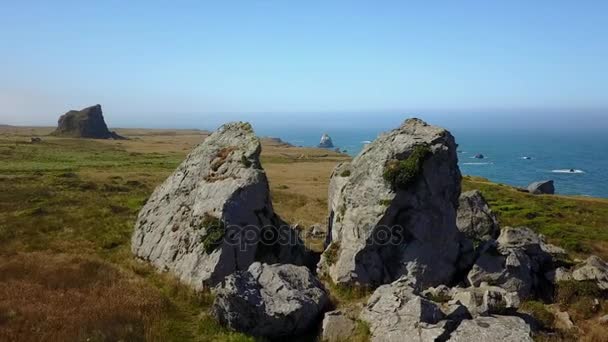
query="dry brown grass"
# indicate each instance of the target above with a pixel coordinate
(58, 297)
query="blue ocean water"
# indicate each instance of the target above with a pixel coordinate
(552, 155)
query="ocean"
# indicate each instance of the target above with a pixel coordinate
(551, 156)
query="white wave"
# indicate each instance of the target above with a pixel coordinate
(568, 171)
(366, 142)
(477, 163)
(527, 158)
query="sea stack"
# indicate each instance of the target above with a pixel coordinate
(85, 123)
(326, 141)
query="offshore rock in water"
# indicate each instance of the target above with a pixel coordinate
(326, 141)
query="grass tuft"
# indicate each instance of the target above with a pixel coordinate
(402, 173)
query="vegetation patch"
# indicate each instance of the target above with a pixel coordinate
(540, 313)
(331, 253)
(385, 202)
(214, 234)
(402, 173)
(345, 173)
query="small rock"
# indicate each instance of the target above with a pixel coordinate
(337, 327)
(594, 269)
(542, 187)
(603, 319)
(475, 218)
(35, 140)
(492, 328)
(479, 156)
(270, 300)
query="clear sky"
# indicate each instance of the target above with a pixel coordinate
(197, 63)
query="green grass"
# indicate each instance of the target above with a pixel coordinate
(580, 225)
(81, 197)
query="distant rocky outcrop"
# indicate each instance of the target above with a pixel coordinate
(393, 210)
(85, 123)
(208, 218)
(479, 156)
(270, 300)
(542, 187)
(326, 141)
(475, 218)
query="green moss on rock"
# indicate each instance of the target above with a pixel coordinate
(215, 231)
(402, 173)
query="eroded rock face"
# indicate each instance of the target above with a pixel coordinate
(395, 312)
(204, 222)
(475, 218)
(85, 123)
(492, 328)
(517, 262)
(326, 141)
(393, 209)
(270, 300)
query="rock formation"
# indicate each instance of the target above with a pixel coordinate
(479, 156)
(492, 328)
(516, 262)
(393, 210)
(326, 141)
(475, 218)
(206, 220)
(270, 300)
(85, 123)
(542, 187)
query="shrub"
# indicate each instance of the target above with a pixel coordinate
(569, 291)
(540, 313)
(402, 173)
(331, 254)
(214, 234)
(345, 173)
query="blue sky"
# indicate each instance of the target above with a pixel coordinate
(198, 63)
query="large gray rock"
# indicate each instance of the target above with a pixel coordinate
(270, 300)
(542, 187)
(516, 263)
(475, 218)
(492, 328)
(204, 222)
(395, 313)
(485, 299)
(593, 269)
(381, 228)
(85, 123)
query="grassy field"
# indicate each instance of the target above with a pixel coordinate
(67, 209)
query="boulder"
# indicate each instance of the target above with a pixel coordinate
(395, 313)
(213, 215)
(593, 269)
(542, 187)
(35, 140)
(492, 328)
(85, 123)
(485, 299)
(475, 218)
(517, 262)
(337, 327)
(270, 300)
(326, 141)
(479, 156)
(394, 212)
